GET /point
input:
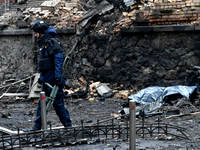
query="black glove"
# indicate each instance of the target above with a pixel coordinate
(58, 81)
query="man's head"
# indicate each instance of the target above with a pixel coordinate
(39, 27)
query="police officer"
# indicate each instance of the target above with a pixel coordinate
(50, 62)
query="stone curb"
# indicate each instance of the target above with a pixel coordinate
(29, 31)
(134, 29)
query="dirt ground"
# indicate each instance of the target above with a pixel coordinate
(20, 113)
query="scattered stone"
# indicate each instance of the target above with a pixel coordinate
(5, 114)
(163, 137)
(91, 99)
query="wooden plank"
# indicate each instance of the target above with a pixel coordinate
(34, 93)
(182, 115)
(17, 81)
(13, 94)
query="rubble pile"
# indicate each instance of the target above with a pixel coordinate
(93, 90)
(65, 14)
(59, 13)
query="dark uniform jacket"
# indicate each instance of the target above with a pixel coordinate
(50, 57)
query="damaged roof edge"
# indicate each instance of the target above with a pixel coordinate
(161, 28)
(29, 31)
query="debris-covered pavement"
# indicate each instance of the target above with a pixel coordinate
(90, 105)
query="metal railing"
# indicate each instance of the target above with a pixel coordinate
(104, 130)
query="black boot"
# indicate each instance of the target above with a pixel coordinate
(68, 124)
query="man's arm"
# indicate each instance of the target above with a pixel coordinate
(58, 61)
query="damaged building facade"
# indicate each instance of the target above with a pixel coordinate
(137, 56)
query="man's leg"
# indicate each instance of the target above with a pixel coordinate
(61, 111)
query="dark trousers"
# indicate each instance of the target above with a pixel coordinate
(58, 105)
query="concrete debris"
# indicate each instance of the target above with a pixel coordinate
(95, 91)
(183, 102)
(34, 11)
(34, 92)
(103, 89)
(163, 137)
(65, 14)
(78, 104)
(128, 2)
(50, 5)
(94, 85)
(54, 12)
(124, 94)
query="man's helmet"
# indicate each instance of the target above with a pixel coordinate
(40, 26)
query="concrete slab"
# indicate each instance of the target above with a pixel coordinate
(49, 5)
(35, 89)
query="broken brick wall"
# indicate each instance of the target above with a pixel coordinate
(165, 12)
